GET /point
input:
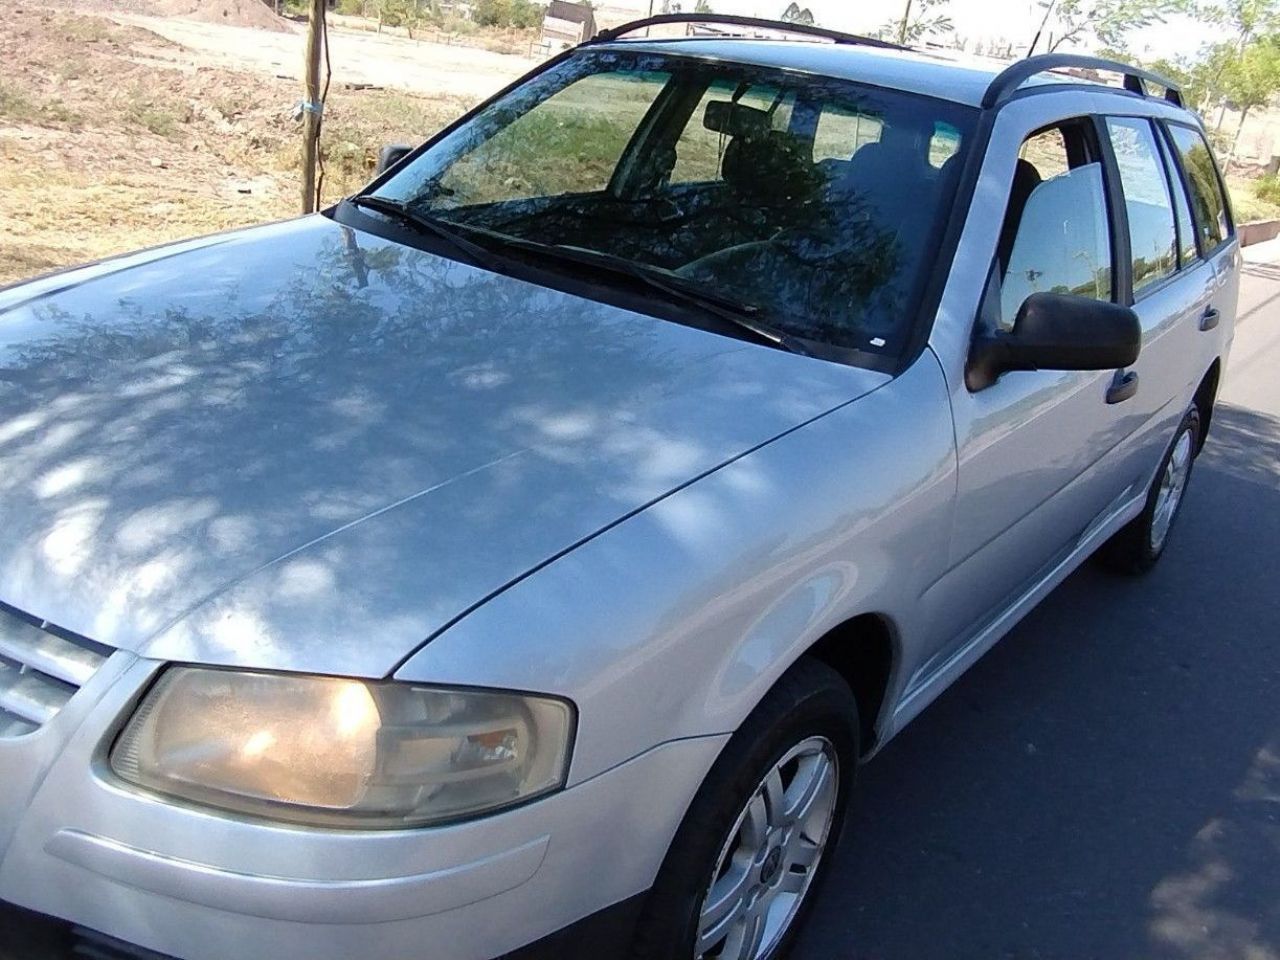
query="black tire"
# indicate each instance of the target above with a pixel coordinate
(1136, 547)
(811, 700)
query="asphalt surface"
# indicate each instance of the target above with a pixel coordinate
(1105, 784)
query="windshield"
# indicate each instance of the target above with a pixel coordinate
(816, 202)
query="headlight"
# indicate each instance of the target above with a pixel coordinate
(336, 752)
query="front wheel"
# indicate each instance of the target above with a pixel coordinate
(1140, 543)
(757, 838)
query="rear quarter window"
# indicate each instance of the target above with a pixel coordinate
(1208, 205)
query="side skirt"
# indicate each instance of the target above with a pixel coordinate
(928, 690)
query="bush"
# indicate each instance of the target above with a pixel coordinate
(1268, 188)
(508, 13)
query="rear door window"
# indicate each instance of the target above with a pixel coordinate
(1187, 252)
(843, 132)
(1152, 235)
(1207, 202)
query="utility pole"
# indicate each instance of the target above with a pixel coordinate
(311, 106)
(1048, 9)
(906, 19)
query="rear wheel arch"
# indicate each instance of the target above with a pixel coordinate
(862, 650)
(1205, 396)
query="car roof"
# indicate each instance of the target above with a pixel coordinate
(944, 75)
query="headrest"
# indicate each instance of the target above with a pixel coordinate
(773, 170)
(1025, 177)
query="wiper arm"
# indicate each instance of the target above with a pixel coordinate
(740, 315)
(402, 212)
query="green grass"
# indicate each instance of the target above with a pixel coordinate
(89, 30)
(158, 114)
(356, 128)
(1254, 199)
(1267, 189)
(571, 143)
(16, 105)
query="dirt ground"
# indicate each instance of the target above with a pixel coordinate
(121, 129)
(385, 60)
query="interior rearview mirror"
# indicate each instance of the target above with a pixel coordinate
(1055, 331)
(390, 155)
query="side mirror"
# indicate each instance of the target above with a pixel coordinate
(390, 155)
(1055, 331)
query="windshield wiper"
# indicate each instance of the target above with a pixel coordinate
(405, 214)
(734, 312)
(740, 315)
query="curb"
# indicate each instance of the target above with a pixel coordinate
(1257, 231)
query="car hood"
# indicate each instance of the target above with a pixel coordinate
(305, 447)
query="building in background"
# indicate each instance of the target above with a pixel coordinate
(566, 24)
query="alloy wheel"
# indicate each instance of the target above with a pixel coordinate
(771, 856)
(1173, 482)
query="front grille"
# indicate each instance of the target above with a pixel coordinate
(41, 668)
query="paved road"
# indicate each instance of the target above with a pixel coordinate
(1105, 784)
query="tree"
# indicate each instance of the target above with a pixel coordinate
(920, 19)
(1247, 19)
(1250, 81)
(795, 14)
(506, 13)
(702, 6)
(1107, 22)
(1198, 76)
(399, 13)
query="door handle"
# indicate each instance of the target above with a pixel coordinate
(1124, 386)
(1209, 319)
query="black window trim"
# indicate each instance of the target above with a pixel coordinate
(1117, 215)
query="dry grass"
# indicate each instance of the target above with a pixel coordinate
(111, 140)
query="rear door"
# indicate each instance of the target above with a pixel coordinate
(1169, 200)
(1215, 237)
(1167, 284)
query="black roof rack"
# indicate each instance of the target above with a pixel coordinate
(802, 29)
(1135, 78)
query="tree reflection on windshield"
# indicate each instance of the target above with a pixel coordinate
(816, 200)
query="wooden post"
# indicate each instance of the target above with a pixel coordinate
(906, 20)
(311, 106)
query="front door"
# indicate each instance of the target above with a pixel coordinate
(1038, 451)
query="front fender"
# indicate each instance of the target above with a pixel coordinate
(676, 622)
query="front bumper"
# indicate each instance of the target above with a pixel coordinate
(76, 843)
(30, 936)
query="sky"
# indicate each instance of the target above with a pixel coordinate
(1014, 20)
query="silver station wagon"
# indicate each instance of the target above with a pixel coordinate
(519, 558)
